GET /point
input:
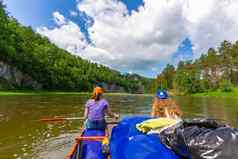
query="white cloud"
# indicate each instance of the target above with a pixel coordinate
(59, 18)
(151, 35)
(102, 7)
(141, 38)
(67, 36)
(217, 23)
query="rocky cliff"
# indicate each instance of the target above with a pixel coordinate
(112, 87)
(11, 78)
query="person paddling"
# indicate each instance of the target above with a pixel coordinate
(163, 106)
(95, 110)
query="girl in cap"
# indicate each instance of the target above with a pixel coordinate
(163, 106)
(95, 110)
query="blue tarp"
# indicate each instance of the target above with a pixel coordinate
(128, 143)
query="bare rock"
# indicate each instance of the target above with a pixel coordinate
(16, 79)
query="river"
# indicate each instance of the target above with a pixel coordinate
(22, 136)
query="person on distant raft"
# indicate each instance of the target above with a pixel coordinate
(95, 110)
(163, 106)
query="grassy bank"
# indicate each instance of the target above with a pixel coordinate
(46, 93)
(20, 93)
(218, 93)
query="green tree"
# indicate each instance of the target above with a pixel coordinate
(187, 78)
(168, 76)
(225, 51)
(54, 68)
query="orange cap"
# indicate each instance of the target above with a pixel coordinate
(98, 90)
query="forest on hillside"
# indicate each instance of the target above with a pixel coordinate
(215, 70)
(54, 68)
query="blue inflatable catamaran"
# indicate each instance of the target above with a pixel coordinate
(126, 142)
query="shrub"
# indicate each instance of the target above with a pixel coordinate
(226, 86)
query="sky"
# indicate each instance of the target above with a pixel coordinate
(134, 36)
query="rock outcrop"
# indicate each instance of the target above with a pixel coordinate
(11, 78)
(112, 88)
(116, 88)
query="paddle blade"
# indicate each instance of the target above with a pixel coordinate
(52, 119)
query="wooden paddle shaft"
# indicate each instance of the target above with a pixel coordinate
(55, 119)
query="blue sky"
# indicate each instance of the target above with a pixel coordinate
(38, 13)
(138, 36)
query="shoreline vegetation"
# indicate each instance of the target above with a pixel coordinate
(233, 92)
(217, 93)
(214, 73)
(42, 93)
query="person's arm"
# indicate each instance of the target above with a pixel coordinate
(86, 113)
(154, 108)
(111, 114)
(153, 111)
(177, 110)
(167, 115)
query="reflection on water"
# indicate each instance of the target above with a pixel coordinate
(54, 147)
(22, 136)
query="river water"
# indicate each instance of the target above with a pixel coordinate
(22, 136)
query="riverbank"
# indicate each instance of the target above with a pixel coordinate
(21, 93)
(218, 93)
(46, 93)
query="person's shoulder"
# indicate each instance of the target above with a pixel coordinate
(89, 101)
(165, 102)
(103, 100)
(155, 99)
(168, 100)
(171, 100)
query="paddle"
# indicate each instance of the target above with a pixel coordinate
(62, 119)
(56, 119)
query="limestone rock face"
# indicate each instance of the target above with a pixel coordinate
(13, 78)
(112, 88)
(116, 88)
